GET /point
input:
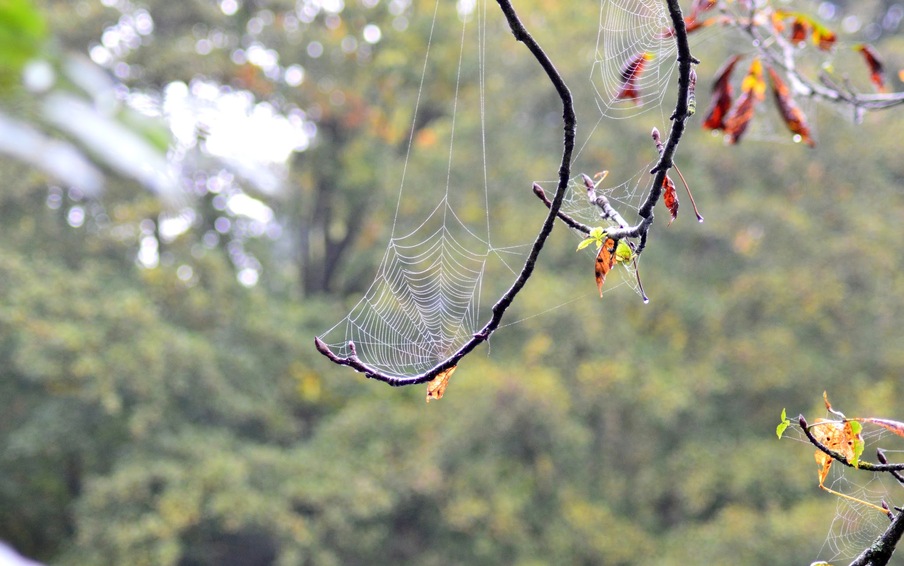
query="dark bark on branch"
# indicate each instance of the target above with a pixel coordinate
(838, 457)
(880, 552)
(667, 152)
(569, 121)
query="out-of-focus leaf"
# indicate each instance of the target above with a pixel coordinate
(791, 114)
(630, 74)
(700, 6)
(823, 37)
(803, 25)
(59, 159)
(22, 33)
(722, 96)
(876, 68)
(753, 91)
(437, 386)
(120, 148)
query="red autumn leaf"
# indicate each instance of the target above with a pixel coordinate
(876, 68)
(605, 259)
(670, 197)
(630, 74)
(753, 91)
(722, 96)
(792, 115)
(799, 30)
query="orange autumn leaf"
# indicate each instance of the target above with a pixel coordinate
(605, 260)
(876, 68)
(792, 115)
(630, 74)
(722, 96)
(753, 91)
(837, 437)
(437, 387)
(670, 197)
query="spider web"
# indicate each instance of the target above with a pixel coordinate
(855, 526)
(426, 299)
(443, 266)
(629, 29)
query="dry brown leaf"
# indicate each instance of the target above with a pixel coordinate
(605, 259)
(437, 386)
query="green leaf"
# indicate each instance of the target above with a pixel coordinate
(22, 32)
(780, 429)
(859, 445)
(623, 251)
(585, 242)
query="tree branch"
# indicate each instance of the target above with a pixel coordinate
(838, 457)
(569, 121)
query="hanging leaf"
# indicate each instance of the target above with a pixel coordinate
(792, 115)
(836, 436)
(722, 96)
(623, 252)
(437, 386)
(753, 91)
(670, 197)
(876, 68)
(894, 426)
(630, 74)
(605, 259)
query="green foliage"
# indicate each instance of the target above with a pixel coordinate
(148, 418)
(783, 425)
(22, 33)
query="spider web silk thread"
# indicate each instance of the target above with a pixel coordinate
(425, 300)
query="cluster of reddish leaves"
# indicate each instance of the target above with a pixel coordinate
(733, 118)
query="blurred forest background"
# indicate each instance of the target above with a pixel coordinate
(162, 279)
